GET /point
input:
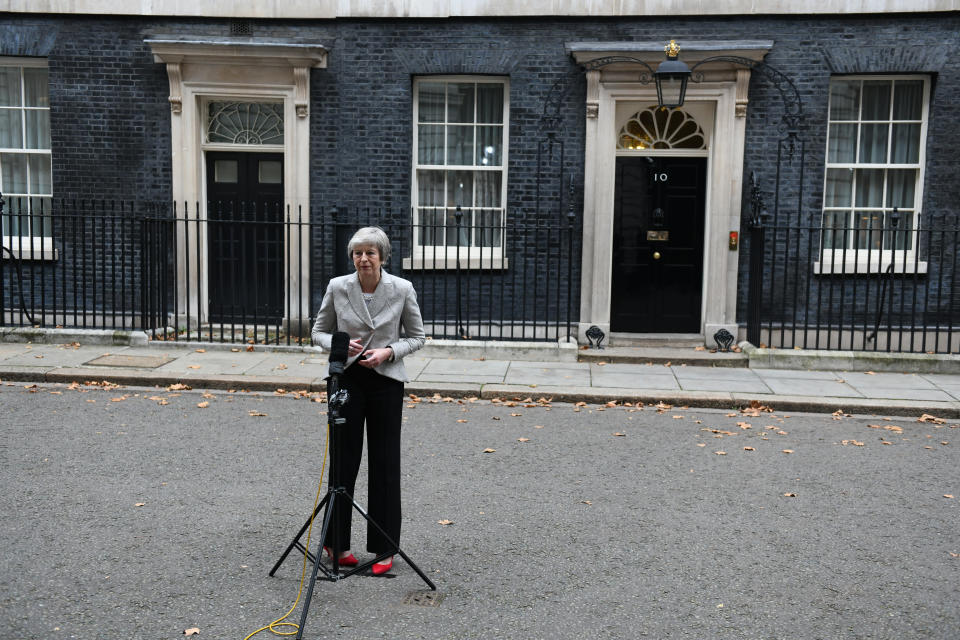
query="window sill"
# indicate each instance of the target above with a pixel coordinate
(30, 253)
(426, 263)
(826, 268)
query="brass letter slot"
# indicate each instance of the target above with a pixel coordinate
(658, 236)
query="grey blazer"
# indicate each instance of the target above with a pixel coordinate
(393, 311)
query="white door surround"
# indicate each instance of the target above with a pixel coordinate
(203, 69)
(719, 101)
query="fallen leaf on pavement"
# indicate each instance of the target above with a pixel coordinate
(932, 419)
(489, 450)
(948, 495)
(756, 405)
(193, 631)
(203, 405)
(719, 431)
(790, 495)
(749, 449)
(523, 439)
(445, 522)
(256, 414)
(888, 427)
(178, 387)
(620, 435)
(788, 450)
(139, 504)
(193, 366)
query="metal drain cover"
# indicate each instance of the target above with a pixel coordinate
(425, 598)
(136, 362)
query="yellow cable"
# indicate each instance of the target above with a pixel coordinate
(279, 622)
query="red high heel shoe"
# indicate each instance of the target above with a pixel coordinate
(348, 561)
(380, 569)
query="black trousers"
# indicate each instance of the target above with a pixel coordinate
(378, 401)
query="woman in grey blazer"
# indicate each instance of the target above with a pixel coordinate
(380, 314)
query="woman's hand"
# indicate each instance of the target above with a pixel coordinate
(375, 357)
(354, 348)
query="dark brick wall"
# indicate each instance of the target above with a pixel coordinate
(109, 116)
(809, 53)
(111, 119)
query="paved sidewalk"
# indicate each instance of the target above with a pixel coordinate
(233, 367)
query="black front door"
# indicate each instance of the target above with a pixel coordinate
(658, 245)
(245, 236)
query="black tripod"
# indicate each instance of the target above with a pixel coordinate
(337, 398)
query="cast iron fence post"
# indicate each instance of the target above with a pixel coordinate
(460, 329)
(571, 218)
(757, 249)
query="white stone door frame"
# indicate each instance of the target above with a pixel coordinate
(724, 88)
(200, 70)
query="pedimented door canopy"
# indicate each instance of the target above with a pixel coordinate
(298, 57)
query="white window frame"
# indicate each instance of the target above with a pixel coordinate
(27, 247)
(851, 260)
(442, 256)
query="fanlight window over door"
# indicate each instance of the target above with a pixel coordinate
(256, 123)
(661, 128)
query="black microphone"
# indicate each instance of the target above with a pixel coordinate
(339, 347)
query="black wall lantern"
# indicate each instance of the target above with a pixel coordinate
(671, 78)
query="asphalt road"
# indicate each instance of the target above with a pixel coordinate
(138, 514)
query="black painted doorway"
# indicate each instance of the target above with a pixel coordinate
(245, 236)
(658, 243)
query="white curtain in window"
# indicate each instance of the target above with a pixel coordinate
(901, 184)
(869, 188)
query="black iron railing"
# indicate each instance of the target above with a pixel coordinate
(874, 283)
(257, 272)
(77, 265)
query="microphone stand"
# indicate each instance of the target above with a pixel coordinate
(336, 399)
